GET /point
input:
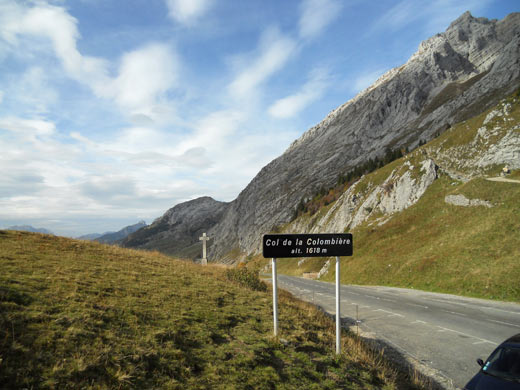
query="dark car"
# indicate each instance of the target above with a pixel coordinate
(501, 371)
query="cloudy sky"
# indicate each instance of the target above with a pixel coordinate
(112, 111)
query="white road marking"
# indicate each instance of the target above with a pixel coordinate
(473, 306)
(505, 323)
(442, 329)
(388, 300)
(454, 312)
(505, 311)
(389, 312)
(360, 306)
(414, 304)
(418, 322)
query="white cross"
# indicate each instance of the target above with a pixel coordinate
(204, 238)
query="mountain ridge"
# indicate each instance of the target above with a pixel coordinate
(29, 228)
(177, 231)
(452, 76)
(114, 237)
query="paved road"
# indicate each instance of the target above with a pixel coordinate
(446, 333)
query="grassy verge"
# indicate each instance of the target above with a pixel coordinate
(439, 247)
(84, 315)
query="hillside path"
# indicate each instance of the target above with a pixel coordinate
(441, 334)
(503, 180)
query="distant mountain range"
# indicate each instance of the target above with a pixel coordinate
(29, 228)
(453, 76)
(114, 237)
(111, 237)
(91, 236)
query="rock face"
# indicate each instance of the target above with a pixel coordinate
(400, 189)
(461, 200)
(452, 76)
(496, 142)
(177, 232)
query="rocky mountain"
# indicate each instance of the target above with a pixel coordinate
(466, 152)
(114, 237)
(29, 228)
(452, 76)
(177, 232)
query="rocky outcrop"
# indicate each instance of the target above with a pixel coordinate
(495, 143)
(461, 200)
(177, 232)
(402, 188)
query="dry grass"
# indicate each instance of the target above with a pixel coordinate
(79, 315)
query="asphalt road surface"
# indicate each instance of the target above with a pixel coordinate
(444, 333)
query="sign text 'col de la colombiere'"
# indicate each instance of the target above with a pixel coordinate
(307, 245)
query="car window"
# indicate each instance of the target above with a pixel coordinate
(505, 362)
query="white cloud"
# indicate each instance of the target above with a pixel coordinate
(1, 97)
(212, 134)
(19, 182)
(316, 15)
(145, 75)
(55, 24)
(32, 91)
(186, 11)
(49, 174)
(108, 188)
(311, 91)
(218, 125)
(27, 127)
(273, 52)
(148, 148)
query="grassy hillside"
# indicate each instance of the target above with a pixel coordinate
(434, 245)
(76, 314)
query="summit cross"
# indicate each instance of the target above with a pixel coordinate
(204, 239)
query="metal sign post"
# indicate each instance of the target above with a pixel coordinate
(338, 309)
(275, 297)
(308, 245)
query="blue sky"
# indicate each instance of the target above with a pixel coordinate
(115, 111)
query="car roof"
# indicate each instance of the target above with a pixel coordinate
(513, 340)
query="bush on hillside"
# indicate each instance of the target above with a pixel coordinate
(246, 278)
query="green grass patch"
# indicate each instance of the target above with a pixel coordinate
(436, 246)
(80, 315)
(291, 267)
